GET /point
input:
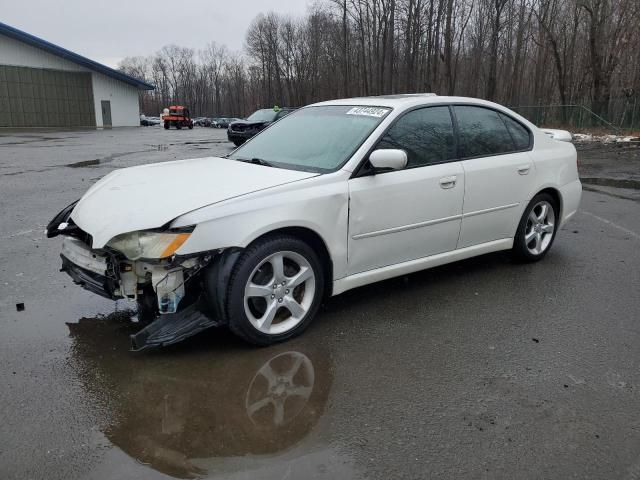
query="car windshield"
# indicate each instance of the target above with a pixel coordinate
(266, 115)
(317, 139)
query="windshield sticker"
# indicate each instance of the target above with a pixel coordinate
(369, 111)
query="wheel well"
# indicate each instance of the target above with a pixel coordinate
(557, 197)
(316, 242)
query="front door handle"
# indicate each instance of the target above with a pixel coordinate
(448, 182)
(524, 169)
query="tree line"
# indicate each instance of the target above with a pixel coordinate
(515, 52)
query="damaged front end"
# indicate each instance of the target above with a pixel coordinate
(176, 295)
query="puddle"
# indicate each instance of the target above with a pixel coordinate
(205, 142)
(180, 408)
(160, 147)
(99, 161)
(612, 182)
(84, 163)
(33, 139)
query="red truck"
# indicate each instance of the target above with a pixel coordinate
(178, 117)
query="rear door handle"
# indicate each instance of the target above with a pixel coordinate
(448, 182)
(524, 169)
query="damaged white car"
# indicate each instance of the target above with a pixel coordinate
(334, 196)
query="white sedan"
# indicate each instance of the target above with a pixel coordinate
(336, 195)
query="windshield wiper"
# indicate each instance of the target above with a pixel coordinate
(256, 161)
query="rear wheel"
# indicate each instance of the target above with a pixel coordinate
(275, 290)
(537, 229)
(178, 125)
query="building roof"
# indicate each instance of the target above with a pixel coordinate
(34, 41)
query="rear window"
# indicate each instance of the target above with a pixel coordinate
(521, 136)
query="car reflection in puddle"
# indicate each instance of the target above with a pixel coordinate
(285, 380)
(178, 409)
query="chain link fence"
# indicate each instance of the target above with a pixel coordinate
(625, 116)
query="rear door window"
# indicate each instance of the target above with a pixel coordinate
(482, 132)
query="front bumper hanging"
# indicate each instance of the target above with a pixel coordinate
(201, 307)
(174, 327)
(88, 269)
(91, 281)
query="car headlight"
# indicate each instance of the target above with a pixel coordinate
(145, 244)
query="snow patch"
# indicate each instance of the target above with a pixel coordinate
(588, 137)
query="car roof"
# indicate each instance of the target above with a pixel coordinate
(406, 100)
(274, 110)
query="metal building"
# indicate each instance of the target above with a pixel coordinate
(43, 85)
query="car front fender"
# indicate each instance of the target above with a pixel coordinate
(321, 208)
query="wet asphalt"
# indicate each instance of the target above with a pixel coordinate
(480, 369)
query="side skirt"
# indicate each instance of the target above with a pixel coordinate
(383, 273)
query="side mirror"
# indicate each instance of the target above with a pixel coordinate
(388, 159)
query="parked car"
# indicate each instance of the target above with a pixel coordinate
(224, 122)
(240, 131)
(149, 121)
(336, 195)
(202, 122)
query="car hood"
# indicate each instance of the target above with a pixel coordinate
(250, 124)
(150, 196)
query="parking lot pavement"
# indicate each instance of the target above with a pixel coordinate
(611, 168)
(480, 369)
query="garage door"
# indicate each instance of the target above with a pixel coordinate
(34, 97)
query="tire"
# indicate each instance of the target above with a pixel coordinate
(178, 125)
(237, 143)
(191, 126)
(537, 229)
(166, 125)
(295, 285)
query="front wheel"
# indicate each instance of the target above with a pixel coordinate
(537, 229)
(237, 143)
(275, 290)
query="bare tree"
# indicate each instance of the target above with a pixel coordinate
(521, 52)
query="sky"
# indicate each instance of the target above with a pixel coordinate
(108, 31)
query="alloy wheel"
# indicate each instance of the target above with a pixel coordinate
(279, 292)
(540, 227)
